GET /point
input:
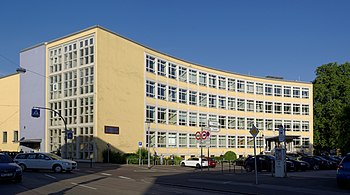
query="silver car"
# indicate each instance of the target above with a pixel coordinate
(41, 160)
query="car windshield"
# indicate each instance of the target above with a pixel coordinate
(54, 156)
(5, 159)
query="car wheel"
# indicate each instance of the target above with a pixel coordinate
(57, 168)
(316, 167)
(23, 167)
(18, 179)
(182, 164)
(198, 166)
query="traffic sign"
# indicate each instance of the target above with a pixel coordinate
(213, 124)
(281, 134)
(70, 135)
(214, 129)
(204, 134)
(140, 144)
(254, 131)
(198, 135)
(35, 113)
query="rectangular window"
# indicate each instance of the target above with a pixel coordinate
(296, 126)
(222, 83)
(241, 104)
(240, 123)
(150, 89)
(268, 89)
(213, 117)
(278, 123)
(222, 102)
(259, 106)
(161, 139)
(278, 90)
(222, 141)
(288, 125)
(161, 91)
(192, 119)
(250, 105)
(150, 61)
(193, 98)
(203, 120)
(231, 84)
(162, 115)
(296, 142)
(172, 91)
(250, 142)
(183, 96)
(250, 123)
(259, 88)
(203, 99)
(182, 140)
(183, 118)
(161, 67)
(287, 108)
(213, 141)
(278, 108)
(192, 141)
(296, 92)
(269, 124)
(305, 109)
(231, 141)
(182, 74)
(4, 137)
(268, 107)
(296, 109)
(15, 136)
(305, 93)
(222, 122)
(212, 81)
(192, 76)
(240, 142)
(212, 101)
(231, 122)
(172, 71)
(202, 78)
(305, 142)
(172, 140)
(240, 86)
(150, 113)
(260, 124)
(231, 103)
(250, 87)
(305, 126)
(172, 117)
(286, 91)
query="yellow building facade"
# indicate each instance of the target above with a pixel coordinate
(9, 115)
(108, 88)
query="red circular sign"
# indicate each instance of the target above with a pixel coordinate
(198, 135)
(204, 134)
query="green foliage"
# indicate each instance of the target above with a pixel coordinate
(114, 157)
(229, 155)
(332, 107)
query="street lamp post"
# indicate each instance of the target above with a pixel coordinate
(148, 145)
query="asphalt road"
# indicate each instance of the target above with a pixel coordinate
(115, 179)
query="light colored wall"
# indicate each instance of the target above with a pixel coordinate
(9, 111)
(33, 86)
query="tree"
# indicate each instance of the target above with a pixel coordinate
(332, 107)
(229, 155)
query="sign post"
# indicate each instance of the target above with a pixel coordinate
(255, 131)
(140, 146)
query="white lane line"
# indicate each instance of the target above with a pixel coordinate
(50, 176)
(122, 177)
(85, 186)
(107, 174)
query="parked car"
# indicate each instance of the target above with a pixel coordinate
(9, 170)
(46, 161)
(299, 165)
(314, 163)
(211, 162)
(263, 162)
(239, 161)
(194, 162)
(328, 163)
(343, 172)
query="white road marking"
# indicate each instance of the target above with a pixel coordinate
(107, 174)
(85, 186)
(50, 176)
(122, 177)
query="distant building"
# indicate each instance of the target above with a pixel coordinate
(106, 87)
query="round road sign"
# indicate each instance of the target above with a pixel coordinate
(198, 135)
(204, 134)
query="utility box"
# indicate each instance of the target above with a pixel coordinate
(280, 162)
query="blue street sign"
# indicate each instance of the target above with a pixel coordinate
(140, 144)
(35, 113)
(70, 135)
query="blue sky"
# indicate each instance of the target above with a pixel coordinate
(277, 38)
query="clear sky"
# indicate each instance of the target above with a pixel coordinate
(277, 38)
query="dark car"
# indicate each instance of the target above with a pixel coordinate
(314, 163)
(329, 164)
(9, 170)
(343, 172)
(263, 162)
(239, 161)
(299, 165)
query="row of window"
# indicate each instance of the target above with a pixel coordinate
(172, 94)
(5, 138)
(174, 117)
(188, 140)
(173, 71)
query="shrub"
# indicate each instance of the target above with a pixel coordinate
(229, 155)
(114, 157)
